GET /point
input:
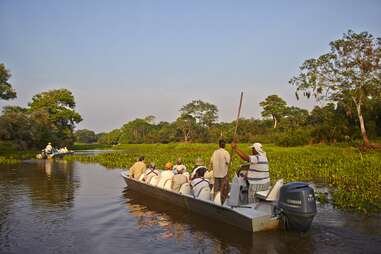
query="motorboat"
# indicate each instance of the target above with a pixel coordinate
(55, 154)
(290, 206)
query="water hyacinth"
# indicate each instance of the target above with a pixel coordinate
(353, 177)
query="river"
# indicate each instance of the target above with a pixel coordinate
(71, 207)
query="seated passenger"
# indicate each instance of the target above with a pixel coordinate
(199, 163)
(49, 148)
(199, 182)
(179, 166)
(150, 172)
(137, 169)
(165, 175)
(178, 179)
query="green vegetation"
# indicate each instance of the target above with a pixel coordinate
(85, 146)
(49, 117)
(10, 155)
(6, 90)
(354, 177)
(349, 74)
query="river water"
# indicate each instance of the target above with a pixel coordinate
(70, 207)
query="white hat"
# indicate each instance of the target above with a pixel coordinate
(258, 147)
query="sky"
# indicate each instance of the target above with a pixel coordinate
(128, 59)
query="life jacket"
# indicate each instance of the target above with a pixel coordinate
(259, 171)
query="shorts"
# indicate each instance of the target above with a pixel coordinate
(253, 188)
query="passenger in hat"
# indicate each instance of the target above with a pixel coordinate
(179, 179)
(199, 163)
(165, 174)
(179, 166)
(258, 174)
(199, 182)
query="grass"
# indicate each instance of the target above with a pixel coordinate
(93, 146)
(10, 155)
(354, 177)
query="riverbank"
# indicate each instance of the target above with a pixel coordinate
(353, 177)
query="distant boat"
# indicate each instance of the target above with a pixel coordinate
(292, 205)
(53, 155)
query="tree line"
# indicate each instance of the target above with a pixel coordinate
(347, 79)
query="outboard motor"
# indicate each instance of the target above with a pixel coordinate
(297, 205)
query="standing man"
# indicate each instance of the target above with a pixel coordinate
(258, 174)
(220, 164)
(137, 169)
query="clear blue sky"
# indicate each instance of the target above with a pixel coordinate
(128, 59)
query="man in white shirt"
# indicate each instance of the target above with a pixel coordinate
(220, 161)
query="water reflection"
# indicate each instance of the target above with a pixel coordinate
(208, 235)
(70, 207)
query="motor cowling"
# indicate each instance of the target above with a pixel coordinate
(297, 205)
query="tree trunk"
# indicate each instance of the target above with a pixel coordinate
(362, 124)
(275, 122)
(185, 137)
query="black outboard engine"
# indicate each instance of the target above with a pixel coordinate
(297, 205)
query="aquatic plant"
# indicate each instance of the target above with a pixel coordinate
(353, 177)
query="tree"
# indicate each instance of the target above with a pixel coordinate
(6, 90)
(85, 136)
(204, 113)
(351, 71)
(59, 105)
(296, 117)
(275, 107)
(186, 124)
(111, 138)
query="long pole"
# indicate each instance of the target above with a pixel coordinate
(224, 184)
(236, 123)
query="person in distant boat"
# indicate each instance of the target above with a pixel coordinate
(49, 148)
(137, 169)
(199, 163)
(258, 174)
(150, 172)
(199, 181)
(219, 162)
(179, 179)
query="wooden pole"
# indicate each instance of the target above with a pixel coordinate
(225, 183)
(236, 123)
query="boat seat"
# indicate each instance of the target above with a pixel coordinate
(272, 194)
(154, 180)
(204, 193)
(185, 189)
(168, 184)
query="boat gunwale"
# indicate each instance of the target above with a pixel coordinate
(231, 209)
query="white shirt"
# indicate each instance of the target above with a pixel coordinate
(164, 176)
(220, 162)
(197, 184)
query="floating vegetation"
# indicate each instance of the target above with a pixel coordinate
(353, 177)
(8, 161)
